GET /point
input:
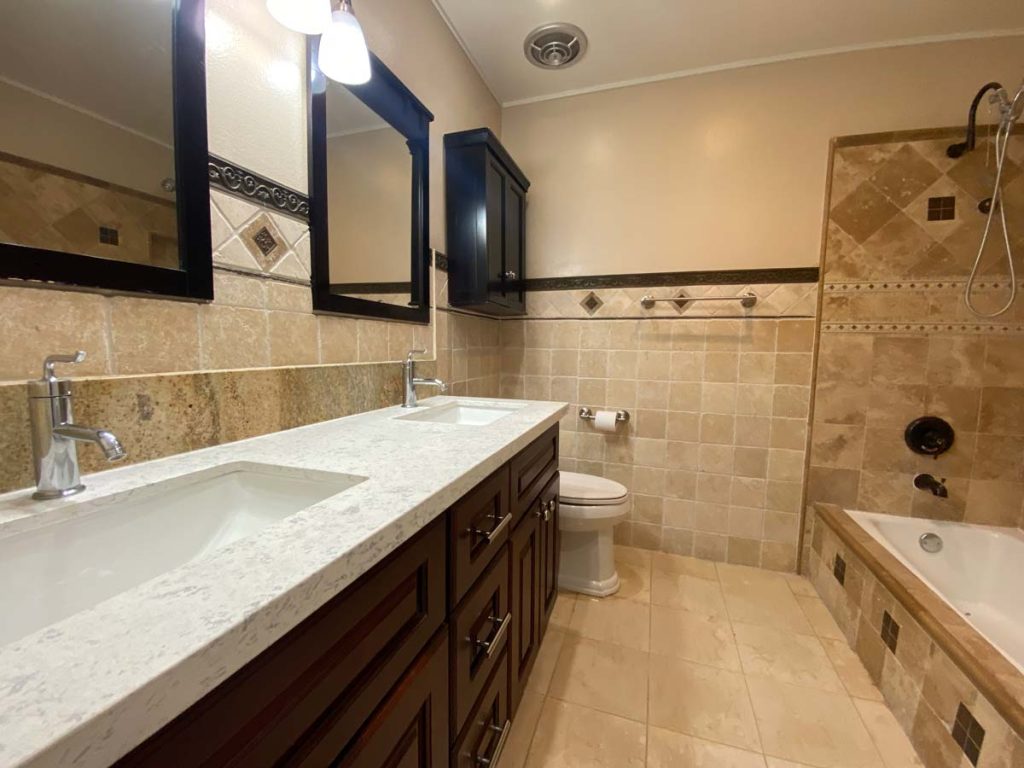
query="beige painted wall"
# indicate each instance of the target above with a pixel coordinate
(368, 180)
(723, 170)
(49, 132)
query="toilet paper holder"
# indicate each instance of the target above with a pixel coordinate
(588, 414)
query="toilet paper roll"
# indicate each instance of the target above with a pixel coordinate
(604, 421)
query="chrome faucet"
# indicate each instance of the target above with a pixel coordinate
(411, 382)
(54, 433)
(930, 483)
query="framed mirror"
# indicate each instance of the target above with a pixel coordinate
(103, 146)
(368, 196)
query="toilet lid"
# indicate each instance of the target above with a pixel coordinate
(589, 490)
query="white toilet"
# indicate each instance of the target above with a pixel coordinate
(589, 508)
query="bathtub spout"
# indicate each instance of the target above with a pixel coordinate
(930, 483)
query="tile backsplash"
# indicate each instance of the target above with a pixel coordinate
(898, 342)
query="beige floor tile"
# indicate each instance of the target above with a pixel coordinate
(634, 580)
(765, 602)
(668, 749)
(692, 566)
(774, 762)
(777, 654)
(561, 614)
(702, 701)
(889, 737)
(693, 637)
(613, 620)
(820, 619)
(606, 677)
(547, 658)
(815, 727)
(850, 670)
(688, 593)
(632, 555)
(744, 576)
(801, 585)
(571, 736)
(521, 736)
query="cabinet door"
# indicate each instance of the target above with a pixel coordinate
(410, 729)
(494, 189)
(526, 603)
(514, 236)
(550, 546)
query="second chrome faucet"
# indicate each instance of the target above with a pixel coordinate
(411, 382)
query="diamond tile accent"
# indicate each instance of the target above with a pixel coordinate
(968, 733)
(264, 241)
(591, 302)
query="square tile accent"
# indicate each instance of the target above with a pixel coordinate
(591, 302)
(264, 241)
(109, 236)
(941, 208)
(968, 733)
(839, 569)
(890, 631)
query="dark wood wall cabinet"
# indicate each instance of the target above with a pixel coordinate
(485, 193)
(420, 663)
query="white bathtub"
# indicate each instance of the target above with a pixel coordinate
(979, 571)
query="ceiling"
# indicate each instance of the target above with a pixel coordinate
(652, 39)
(111, 58)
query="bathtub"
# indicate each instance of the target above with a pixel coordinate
(979, 571)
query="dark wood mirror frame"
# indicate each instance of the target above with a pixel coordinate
(194, 280)
(388, 96)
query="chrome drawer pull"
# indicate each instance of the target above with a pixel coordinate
(492, 534)
(494, 643)
(546, 508)
(499, 747)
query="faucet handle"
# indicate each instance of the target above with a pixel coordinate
(409, 357)
(52, 360)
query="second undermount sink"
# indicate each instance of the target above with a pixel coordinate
(467, 412)
(52, 572)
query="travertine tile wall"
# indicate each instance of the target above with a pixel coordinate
(47, 207)
(714, 453)
(898, 342)
(468, 346)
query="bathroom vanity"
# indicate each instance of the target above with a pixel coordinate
(393, 623)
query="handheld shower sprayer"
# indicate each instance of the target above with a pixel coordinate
(1010, 111)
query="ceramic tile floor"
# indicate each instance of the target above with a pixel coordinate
(701, 665)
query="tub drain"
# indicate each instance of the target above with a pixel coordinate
(930, 542)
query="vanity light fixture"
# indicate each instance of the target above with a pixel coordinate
(310, 17)
(343, 54)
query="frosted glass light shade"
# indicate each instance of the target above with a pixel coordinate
(310, 17)
(343, 54)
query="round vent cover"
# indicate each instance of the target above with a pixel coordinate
(555, 46)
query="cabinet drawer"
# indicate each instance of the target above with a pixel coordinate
(479, 635)
(484, 737)
(409, 730)
(478, 529)
(323, 679)
(532, 469)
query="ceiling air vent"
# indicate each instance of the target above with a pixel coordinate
(555, 46)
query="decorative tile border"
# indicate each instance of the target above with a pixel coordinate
(927, 329)
(249, 185)
(773, 300)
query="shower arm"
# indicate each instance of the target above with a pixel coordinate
(956, 150)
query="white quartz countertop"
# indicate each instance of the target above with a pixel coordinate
(85, 691)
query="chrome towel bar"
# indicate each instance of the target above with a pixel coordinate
(747, 300)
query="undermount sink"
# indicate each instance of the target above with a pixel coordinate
(465, 412)
(52, 572)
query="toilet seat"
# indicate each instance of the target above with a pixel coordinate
(581, 490)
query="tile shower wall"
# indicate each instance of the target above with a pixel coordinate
(898, 342)
(714, 453)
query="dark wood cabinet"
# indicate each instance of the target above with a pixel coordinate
(419, 664)
(486, 224)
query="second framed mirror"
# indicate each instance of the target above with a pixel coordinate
(368, 170)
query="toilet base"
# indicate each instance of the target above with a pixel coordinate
(587, 563)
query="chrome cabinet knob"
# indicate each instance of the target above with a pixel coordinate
(509, 276)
